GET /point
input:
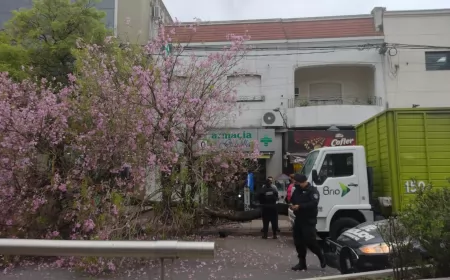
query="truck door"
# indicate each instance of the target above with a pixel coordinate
(338, 180)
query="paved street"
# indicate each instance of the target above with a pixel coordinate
(236, 258)
(252, 228)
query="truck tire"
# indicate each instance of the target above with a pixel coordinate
(341, 225)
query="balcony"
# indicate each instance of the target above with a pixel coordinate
(305, 102)
(342, 95)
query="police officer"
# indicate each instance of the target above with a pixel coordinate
(304, 203)
(268, 197)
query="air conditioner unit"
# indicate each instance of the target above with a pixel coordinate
(156, 12)
(271, 119)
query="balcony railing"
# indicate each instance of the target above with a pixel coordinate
(304, 102)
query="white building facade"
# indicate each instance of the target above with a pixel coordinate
(138, 21)
(302, 76)
(417, 60)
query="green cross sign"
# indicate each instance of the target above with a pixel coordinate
(266, 140)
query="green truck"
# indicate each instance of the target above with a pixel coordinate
(407, 149)
(397, 151)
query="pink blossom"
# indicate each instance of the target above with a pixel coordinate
(62, 187)
(65, 149)
(88, 225)
(111, 266)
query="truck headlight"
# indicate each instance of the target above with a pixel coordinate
(379, 248)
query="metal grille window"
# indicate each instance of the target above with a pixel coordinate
(437, 60)
(325, 93)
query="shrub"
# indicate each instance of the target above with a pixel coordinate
(424, 224)
(427, 220)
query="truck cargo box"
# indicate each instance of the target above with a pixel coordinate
(405, 148)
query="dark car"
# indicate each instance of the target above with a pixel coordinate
(360, 249)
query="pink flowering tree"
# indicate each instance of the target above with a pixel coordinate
(33, 125)
(152, 108)
(83, 162)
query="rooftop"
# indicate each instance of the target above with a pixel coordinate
(279, 29)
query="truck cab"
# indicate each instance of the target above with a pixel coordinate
(342, 178)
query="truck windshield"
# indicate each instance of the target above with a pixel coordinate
(309, 163)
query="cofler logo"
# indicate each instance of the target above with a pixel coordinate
(340, 140)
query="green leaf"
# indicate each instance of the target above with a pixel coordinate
(44, 36)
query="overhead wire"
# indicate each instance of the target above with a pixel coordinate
(297, 50)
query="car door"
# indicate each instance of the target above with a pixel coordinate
(338, 180)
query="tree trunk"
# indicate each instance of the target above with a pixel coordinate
(166, 199)
(236, 216)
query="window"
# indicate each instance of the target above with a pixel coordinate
(246, 84)
(437, 60)
(336, 165)
(325, 93)
(296, 92)
(280, 186)
(309, 163)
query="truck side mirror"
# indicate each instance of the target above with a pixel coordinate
(315, 176)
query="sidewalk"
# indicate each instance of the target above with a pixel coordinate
(252, 228)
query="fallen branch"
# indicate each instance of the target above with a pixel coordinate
(236, 216)
(134, 201)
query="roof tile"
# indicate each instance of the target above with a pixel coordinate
(279, 30)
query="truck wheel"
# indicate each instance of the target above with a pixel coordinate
(341, 225)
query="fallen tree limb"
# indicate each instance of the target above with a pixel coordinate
(231, 215)
(235, 216)
(242, 216)
(134, 201)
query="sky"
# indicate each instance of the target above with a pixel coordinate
(217, 10)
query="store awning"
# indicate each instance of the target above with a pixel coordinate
(265, 155)
(297, 157)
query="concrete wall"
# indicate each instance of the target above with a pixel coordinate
(142, 24)
(328, 115)
(274, 165)
(407, 81)
(277, 71)
(357, 82)
(272, 74)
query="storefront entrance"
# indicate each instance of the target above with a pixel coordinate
(301, 142)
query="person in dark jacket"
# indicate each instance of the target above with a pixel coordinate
(268, 197)
(305, 200)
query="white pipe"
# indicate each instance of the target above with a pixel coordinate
(81, 248)
(116, 16)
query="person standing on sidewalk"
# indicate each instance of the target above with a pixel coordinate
(268, 198)
(290, 189)
(269, 181)
(305, 201)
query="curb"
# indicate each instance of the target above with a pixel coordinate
(361, 275)
(364, 275)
